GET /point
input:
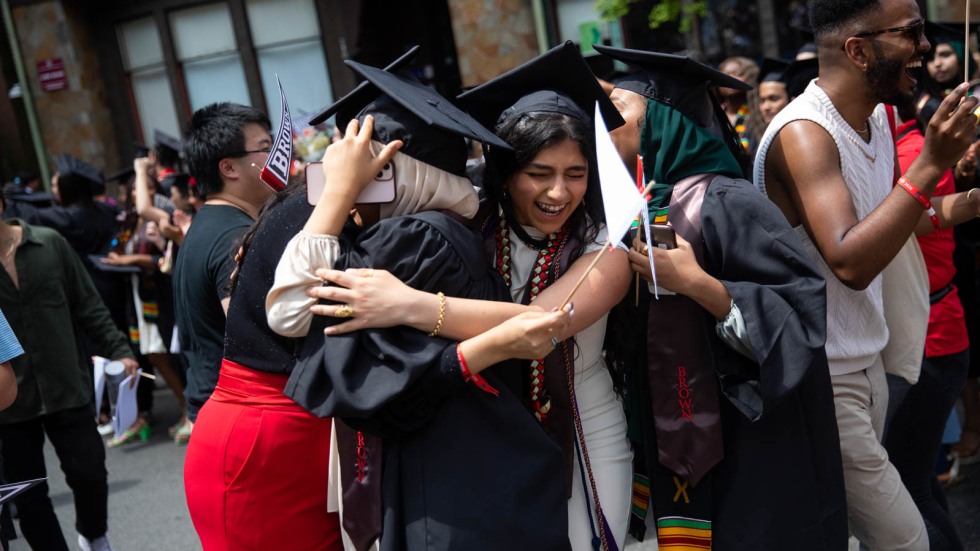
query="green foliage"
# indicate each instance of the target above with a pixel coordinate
(663, 11)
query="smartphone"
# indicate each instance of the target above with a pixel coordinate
(379, 190)
(663, 236)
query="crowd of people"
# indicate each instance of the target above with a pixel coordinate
(440, 346)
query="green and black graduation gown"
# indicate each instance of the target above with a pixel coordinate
(776, 480)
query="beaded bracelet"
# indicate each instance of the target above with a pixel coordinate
(923, 200)
(442, 314)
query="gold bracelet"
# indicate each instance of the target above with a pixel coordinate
(442, 314)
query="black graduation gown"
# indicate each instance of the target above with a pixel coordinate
(462, 469)
(780, 484)
(782, 476)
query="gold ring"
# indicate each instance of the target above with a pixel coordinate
(645, 250)
(370, 273)
(344, 311)
(976, 113)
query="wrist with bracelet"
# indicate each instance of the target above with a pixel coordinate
(923, 200)
(470, 377)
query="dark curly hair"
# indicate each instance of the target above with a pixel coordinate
(829, 17)
(217, 132)
(530, 133)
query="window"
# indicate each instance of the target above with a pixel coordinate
(206, 48)
(287, 43)
(142, 57)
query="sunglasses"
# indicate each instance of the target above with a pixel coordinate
(914, 30)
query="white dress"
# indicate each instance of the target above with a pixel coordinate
(603, 419)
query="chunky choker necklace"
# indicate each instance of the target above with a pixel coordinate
(554, 245)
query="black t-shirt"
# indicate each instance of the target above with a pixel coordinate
(201, 279)
(248, 339)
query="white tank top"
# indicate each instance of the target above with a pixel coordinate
(856, 330)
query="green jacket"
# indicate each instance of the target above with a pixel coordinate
(55, 293)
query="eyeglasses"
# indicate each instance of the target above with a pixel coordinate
(915, 31)
(245, 152)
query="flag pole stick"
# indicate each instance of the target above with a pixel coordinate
(966, 43)
(581, 280)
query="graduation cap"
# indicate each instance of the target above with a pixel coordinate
(66, 164)
(347, 107)
(799, 74)
(940, 33)
(677, 81)
(122, 175)
(809, 48)
(772, 69)
(431, 127)
(163, 140)
(557, 81)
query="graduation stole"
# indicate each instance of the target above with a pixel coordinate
(684, 394)
(551, 383)
(540, 400)
(361, 465)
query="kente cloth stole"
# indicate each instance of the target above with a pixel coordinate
(360, 479)
(551, 381)
(740, 118)
(542, 275)
(684, 394)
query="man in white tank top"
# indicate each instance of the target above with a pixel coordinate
(828, 162)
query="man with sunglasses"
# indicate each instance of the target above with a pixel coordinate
(828, 162)
(225, 149)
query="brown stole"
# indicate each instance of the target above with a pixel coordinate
(360, 479)
(683, 387)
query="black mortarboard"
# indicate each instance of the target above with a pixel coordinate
(123, 175)
(809, 47)
(141, 149)
(162, 139)
(557, 81)
(435, 125)
(772, 69)
(939, 33)
(677, 81)
(66, 164)
(799, 74)
(807, 50)
(431, 127)
(347, 107)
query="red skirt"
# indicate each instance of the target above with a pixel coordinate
(255, 473)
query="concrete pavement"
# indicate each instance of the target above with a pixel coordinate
(147, 510)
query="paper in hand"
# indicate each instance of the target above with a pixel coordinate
(126, 409)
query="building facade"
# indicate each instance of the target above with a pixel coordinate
(94, 78)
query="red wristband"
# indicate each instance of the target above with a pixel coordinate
(477, 379)
(917, 194)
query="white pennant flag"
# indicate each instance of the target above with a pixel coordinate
(620, 198)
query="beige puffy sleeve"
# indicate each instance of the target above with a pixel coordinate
(287, 307)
